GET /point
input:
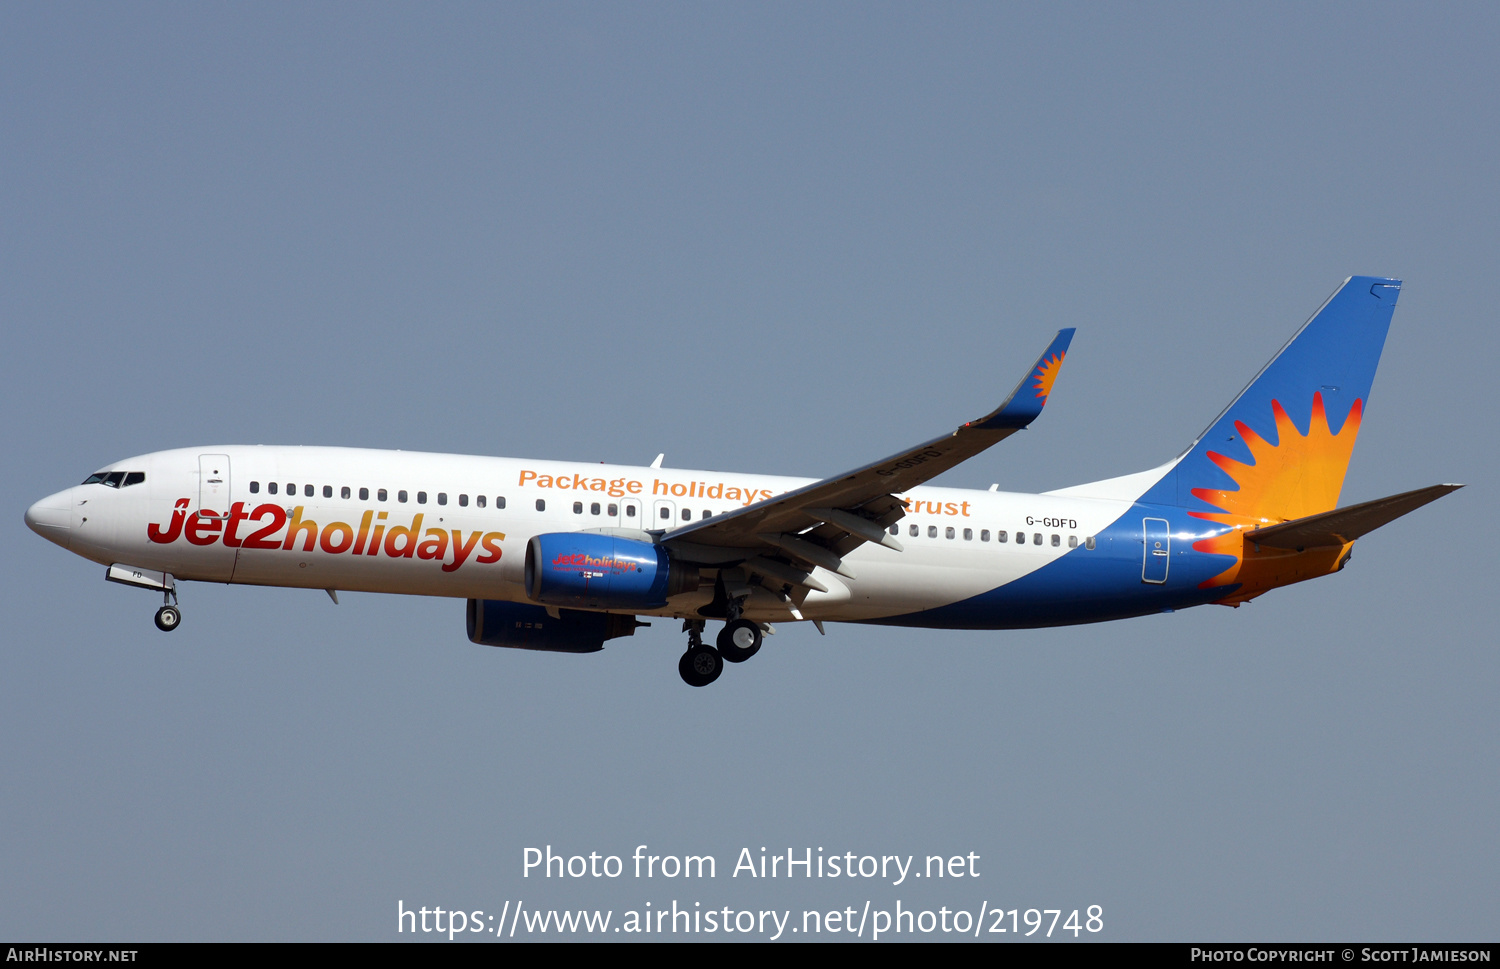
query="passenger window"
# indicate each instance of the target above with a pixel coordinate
(687, 515)
(968, 534)
(479, 500)
(1088, 543)
(500, 501)
(949, 531)
(344, 491)
(1020, 538)
(401, 497)
(442, 497)
(381, 494)
(1072, 541)
(291, 489)
(984, 534)
(307, 491)
(463, 501)
(1056, 540)
(364, 494)
(541, 504)
(666, 513)
(271, 488)
(932, 531)
(421, 497)
(895, 529)
(1036, 538)
(328, 491)
(630, 511)
(613, 510)
(255, 487)
(706, 514)
(134, 478)
(915, 531)
(594, 508)
(577, 507)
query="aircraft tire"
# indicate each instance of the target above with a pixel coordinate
(739, 640)
(700, 665)
(168, 618)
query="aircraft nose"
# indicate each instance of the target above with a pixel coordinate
(52, 518)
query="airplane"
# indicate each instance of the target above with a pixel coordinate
(564, 556)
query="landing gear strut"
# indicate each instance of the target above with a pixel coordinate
(701, 664)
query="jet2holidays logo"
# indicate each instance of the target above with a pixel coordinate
(272, 527)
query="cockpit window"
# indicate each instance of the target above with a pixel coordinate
(134, 478)
(114, 479)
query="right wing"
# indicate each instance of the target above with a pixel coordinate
(816, 525)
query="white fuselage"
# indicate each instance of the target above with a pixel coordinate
(457, 525)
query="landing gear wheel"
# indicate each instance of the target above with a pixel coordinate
(168, 618)
(739, 640)
(700, 665)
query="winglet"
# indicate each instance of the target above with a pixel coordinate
(1030, 396)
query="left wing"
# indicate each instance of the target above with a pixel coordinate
(817, 525)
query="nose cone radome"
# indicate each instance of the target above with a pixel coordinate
(52, 518)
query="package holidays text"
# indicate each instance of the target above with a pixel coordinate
(620, 487)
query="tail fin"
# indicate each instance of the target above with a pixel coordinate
(1280, 450)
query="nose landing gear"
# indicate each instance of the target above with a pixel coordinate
(167, 618)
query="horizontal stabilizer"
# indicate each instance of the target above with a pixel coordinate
(1344, 525)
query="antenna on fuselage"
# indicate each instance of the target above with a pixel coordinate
(657, 462)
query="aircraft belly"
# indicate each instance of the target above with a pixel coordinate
(348, 573)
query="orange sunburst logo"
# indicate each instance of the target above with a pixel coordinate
(1046, 373)
(1300, 475)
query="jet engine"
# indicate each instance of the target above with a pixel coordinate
(522, 626)
(591, 570)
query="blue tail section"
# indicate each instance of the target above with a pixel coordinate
(1279, 451)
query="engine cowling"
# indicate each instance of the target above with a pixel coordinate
(522, 626)
(591, 570)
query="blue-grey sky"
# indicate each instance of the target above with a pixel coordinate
(779, 238)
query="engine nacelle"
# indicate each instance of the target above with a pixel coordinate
(522, 626)
(596, 571)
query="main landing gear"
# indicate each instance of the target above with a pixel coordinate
(739, 640)
(701, 664)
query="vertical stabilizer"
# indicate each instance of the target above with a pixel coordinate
(1280, 450)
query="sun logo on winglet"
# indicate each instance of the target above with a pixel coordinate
(1046, 373)
(1300, 475)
